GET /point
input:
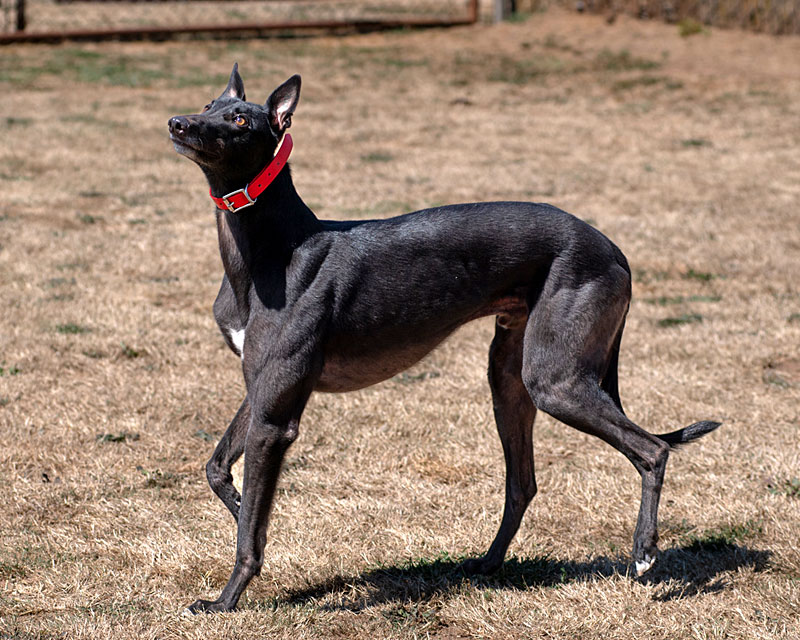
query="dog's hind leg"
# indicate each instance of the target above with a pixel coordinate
(514, 414)
(570, 341)
(228, 451)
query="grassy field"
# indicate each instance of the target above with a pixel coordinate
(115, 384)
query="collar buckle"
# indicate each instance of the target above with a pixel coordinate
(233, 202)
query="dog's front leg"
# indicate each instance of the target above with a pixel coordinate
(265, 448)
(228, 451)
(277, 399)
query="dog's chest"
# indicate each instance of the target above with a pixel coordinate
(237, 339)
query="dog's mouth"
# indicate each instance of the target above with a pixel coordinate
(184, 146)
(191, 148)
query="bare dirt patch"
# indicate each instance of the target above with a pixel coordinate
(115, 385)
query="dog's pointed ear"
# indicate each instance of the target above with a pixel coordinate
(282, 103)
(235, 88)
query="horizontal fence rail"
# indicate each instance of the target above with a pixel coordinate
(53, 20)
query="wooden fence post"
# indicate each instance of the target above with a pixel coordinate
(503, 9)
(20, 15)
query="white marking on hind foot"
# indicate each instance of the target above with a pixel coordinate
(237, 337)
(643, 566)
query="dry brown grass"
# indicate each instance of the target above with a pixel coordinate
(779, 17)
(115, 384)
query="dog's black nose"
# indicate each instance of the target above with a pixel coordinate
(178, 125)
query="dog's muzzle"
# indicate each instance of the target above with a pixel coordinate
(178, 126)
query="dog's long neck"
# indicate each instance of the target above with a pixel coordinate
(257, 243)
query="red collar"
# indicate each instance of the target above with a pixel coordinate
(243, 198)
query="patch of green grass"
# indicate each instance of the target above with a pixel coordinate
(14, 121)
(793, 318)
(514, 71)
(4, 400)
(640, 81)
(70, 328)
(393, 57)
(696, 142)
(129, 352)
(403, 63)
(12, 570)
(420, 617)
(91, 193)
(685, 318)
(5, 370)
(83, 118)
(508, 69)
(518, 17)
(69, 266)
(87, 218)
(119, 437)
(24, 558)
(645, 275)
(664, 301)
(60, 297)
(53, 283)
(135, 70)
(789, 487)
(117, 71)
(160, 479)
(702, 276)
(622, 60)
(680, 528)
(377, 156)
(552, 42)
(94, 67)
(690, 27)
(133, 201)
(725, 536)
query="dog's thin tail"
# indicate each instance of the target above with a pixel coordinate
(687, 434)
(610, 384)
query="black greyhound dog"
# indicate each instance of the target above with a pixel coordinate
(312, 305)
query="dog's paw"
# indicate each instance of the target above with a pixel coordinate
(479, 566)
(644, 565)
(205, 606)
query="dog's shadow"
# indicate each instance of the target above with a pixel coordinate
(681, 572)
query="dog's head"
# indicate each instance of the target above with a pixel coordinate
(232, 137)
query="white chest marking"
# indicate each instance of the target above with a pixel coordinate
(237, 337)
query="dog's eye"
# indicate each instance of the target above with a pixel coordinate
(240, 121)
(206, 108)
